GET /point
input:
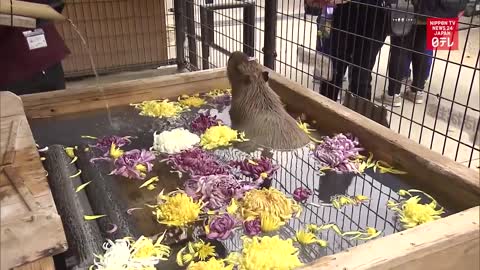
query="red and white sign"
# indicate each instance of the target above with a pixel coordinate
(442, 34)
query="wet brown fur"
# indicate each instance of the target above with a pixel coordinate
(257, 110)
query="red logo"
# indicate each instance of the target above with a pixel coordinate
(442, 34)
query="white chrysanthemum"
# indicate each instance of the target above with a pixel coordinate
(174, 141)
(117, 255)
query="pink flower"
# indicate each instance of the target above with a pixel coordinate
(203, 122)
(196, 162)
(134, 164)
(252, 227)
(221, 227)
(338, 153)
(257, 169)
(301, 194)
(216, 190)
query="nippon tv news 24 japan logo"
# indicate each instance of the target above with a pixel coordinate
(442, 34)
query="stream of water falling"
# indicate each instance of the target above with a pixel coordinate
(92, 63)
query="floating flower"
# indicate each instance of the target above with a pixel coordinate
(191, 101)
(252, 227)
(268, 253)
(305, 127)
(219, 93)
(105, 143)
(220, 227)
(115, 151)
(203, 122)
(196, 162)
(197, 250)
(220, 97)
(220, 136)
(368, 234)
(174, 141)
(129, 254)
(308, 238)
(257, 169)
(301, 194)
(340, 201)
(211, 264)
(272, 202)
(232, 207)
(338, 153)
(216, 191)
(134, 164)
(270, 223)
(177, 209)
(159, 108)
(412, 213)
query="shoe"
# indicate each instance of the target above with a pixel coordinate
(395, 101)
(416, 97)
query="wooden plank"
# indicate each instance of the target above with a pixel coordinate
(448, 243)
(10, 104)
(116, 94)
(19, 185)
(17, 21)
(46, 263)
(32, 237)
(450, 182)
(8, 154)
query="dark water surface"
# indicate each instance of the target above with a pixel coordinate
(296, 170)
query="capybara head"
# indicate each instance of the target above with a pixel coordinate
(243, 70)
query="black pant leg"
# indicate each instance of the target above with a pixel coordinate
(371, 34)
(340, 49)
(420, 61)
(399, 56)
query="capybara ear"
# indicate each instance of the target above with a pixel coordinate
(265, 76)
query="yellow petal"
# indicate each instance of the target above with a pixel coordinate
(79, 188)
(149, 181)
(93, 217)
(77, 174)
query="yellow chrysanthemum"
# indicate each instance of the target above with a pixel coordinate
(307, 238)
(115, 152)
(159, 108)
(413, 213)
(269, 223)
(218, 136)
(268, 253)
(145, 248)
(204, 250)
(211, 264)
(267, 202)
(177, 209)
(232, 207)
(305, 127)
(191, 251)
(219, 92)
(191, 101)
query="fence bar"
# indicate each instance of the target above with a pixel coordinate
(269, 49)
(178, 7)
(192, 44)
(205, 37)
(249, 30)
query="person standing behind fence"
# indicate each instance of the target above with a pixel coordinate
(357, 34)
(412, 45)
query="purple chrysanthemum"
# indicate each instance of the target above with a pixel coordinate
(203, 122)
(216, 190)
(252, 227)
(196, 162)
(301, 194)
(338, 152)
(134, 164)
(105, 143)
(221, 227)
(257, 169)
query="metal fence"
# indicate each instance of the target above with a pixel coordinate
(349, 49)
